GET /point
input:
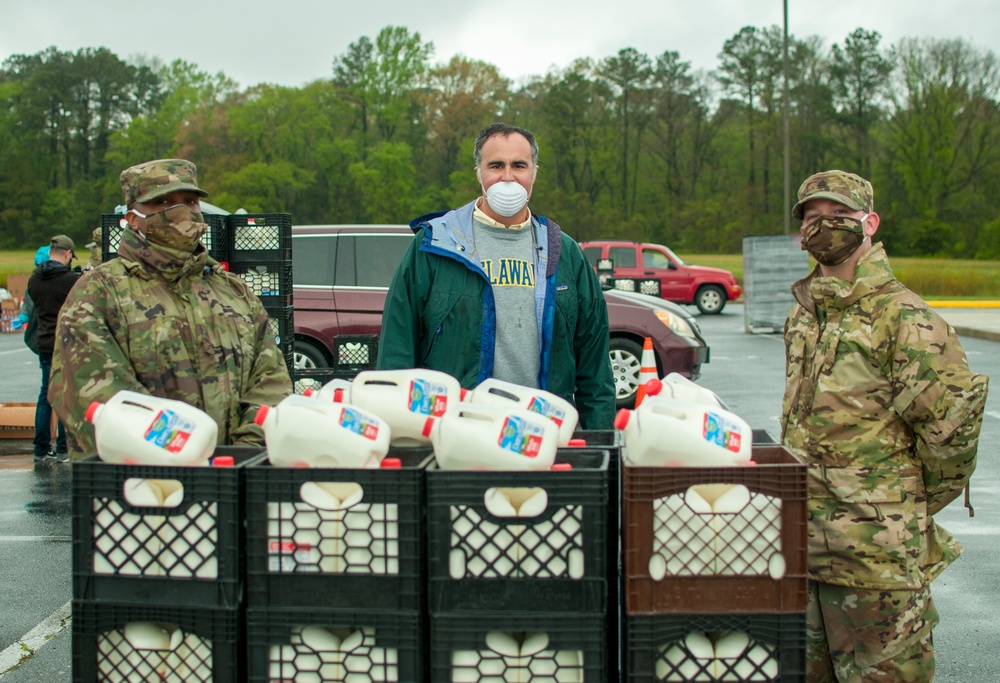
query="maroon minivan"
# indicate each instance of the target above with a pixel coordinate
(342, 274)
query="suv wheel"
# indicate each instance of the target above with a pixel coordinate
(308, 356)
(626, 361)
(710, 299)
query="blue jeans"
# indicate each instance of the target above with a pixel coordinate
(43, 414)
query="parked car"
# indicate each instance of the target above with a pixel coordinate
(342, 275)
(707, 288)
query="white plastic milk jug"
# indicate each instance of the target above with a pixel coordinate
(679, 387)
(669, 432)
(494, 391)
(138, 429)
(304, 432)
(335, 391)
(406, 398)
(488, 438)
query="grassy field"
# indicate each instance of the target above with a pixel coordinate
(930, 278)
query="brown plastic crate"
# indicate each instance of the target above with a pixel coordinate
(699, 579)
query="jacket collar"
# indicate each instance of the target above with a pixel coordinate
(152, 261)
(832, 293)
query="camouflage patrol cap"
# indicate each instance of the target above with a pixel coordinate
(144, 182)
(848, 189)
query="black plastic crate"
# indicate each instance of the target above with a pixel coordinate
(113, 643)
(368, 556)
(335, 645)
(214, 240)
(185, 555)
(271, 281)
(282, 323)
(554, 562)
(519, 646)
(314, 378)
(755, 648)
(612, 440)
(649, 286)
(754, 560)
(355, 352)
(259, 237)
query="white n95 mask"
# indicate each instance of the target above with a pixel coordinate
(506, 198)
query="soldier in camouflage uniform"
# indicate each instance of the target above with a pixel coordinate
(165, 319)
(880, 402)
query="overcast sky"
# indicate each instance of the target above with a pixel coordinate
(293, 42)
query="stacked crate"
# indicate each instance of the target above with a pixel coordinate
(517, 572)
(158, 590)
(716, 594)
(259, 251)
(336, 572)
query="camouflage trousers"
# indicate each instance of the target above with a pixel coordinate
(855, 635)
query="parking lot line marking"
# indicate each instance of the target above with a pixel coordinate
(28, 644)
(36, 539)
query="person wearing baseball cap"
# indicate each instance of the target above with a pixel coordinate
(881, 405)
(48, 288)
(166, 319)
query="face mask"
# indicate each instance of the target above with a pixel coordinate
(832, 239)
(506, 198)
(176, 227)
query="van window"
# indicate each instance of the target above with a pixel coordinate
(593, 254)
(622, 257)
(313, 257)
(369, 260)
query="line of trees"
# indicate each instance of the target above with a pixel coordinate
(634, 146)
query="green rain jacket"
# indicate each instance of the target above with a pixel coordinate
(162, 322)
(880, 402)
(440, 314)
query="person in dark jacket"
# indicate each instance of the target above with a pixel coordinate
(48, 288)
(491, 289)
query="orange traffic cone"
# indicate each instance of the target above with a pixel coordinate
(647, 370)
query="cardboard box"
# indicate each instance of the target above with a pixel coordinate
(17, 421)
(17, 285)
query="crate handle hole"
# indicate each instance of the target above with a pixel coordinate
(331, 495)
(153, 493)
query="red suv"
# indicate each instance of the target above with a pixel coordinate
(707, 288)
(342, 275)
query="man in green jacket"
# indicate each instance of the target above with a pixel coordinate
(491, 289)
(165, 319)
(881, 404)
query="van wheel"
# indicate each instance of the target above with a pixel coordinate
(308, 356)
(626, 361)
(710, 299)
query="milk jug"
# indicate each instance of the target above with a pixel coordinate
(476, 437)
(494, 391)
(674, 433)
(679, 387)
(138, 429)
(405, 399)
(335, 391)
(304, 432)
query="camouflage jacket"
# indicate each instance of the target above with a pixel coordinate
(170, 324)
(880, 402)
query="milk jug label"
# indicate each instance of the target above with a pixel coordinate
(169, 431)
(353, 421)
(521, 437)
(547, 408)
(722, 432)
(427, 398)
